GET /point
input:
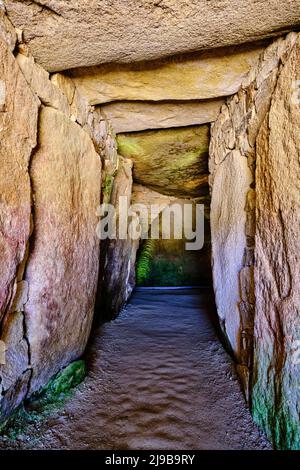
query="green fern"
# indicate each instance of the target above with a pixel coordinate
(143, 265)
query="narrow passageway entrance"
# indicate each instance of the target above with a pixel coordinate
(158, 378)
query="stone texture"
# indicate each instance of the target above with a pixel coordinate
(79, 108)
(172, 265)
(50, 187)
(105, 143)
(104, 140)
(62, 268)
(260, 124)
(231, 183)
(63, 34)
(92, 120)
(234, 134)
(16, 372)
(193, 77)
(140, 116)
(276, 393)
(18, 122)
(7, 31)
(172, 162)
(118, 278)
(38, 80)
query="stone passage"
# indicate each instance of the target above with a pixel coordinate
(183, 100)
(158, 378)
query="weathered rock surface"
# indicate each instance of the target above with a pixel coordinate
(198, 76)
(7, 31)
(79, 108)
(228, 217)
(264, 280)
(233, 137)
(139, 116)
(118, 279)
(276, 393)
(62, 268)
(51, 191)
(18, 115)
(172, 162)
(18, 136)
(63, 34)
(38, 80)
(60, 92)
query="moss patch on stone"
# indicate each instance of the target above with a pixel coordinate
(17, 423)
(275, 419)
(48, 399)
(107, 186)
(61, 384)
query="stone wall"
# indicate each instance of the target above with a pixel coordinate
(18, 133)
(57, 153)
(252, 250)
(276, 380)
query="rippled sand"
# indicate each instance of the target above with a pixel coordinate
(158, 379)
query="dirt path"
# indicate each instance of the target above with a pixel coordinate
(158, 378)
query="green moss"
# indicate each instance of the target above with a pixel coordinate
(263, 413)
(17, 423)
(224, 338)
(154, 270)
(128, 147)
(47, 399)
(64, 381)
(275, 419)
(107, 186)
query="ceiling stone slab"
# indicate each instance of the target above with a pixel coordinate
(64, 34)
(135, 116)
(200, 76)
(173, 162)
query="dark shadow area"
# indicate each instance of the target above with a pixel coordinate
(168, 263)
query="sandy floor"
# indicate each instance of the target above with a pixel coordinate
(158, 379)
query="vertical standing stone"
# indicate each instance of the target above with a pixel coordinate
(233, 218)
(276, 392)
(62, 268)
(118, 276)
(228, 218)
(18, 131)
